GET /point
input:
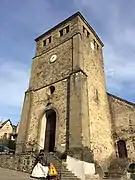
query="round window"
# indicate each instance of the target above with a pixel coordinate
(52, 89)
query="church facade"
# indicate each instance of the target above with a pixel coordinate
(66, 107)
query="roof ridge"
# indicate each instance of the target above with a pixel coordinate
(121, 99)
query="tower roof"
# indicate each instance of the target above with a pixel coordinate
(65, 21)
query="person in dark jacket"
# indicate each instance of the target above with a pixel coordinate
(42, 158)
(41, 167)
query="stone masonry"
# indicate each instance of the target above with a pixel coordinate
(123, 123)
(89, 121)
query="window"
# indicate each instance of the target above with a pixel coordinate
(5, 136)
(83, 29)
(52, 89)
(122, 150)
(44, 42)
(61, 32)
(47, 41)
(67, 29)
(50, 38)
(88, 34)
(97, 47)
(94, 42)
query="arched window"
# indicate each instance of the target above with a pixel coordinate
(122, 150)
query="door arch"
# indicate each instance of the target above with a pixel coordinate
(49, 144)
(122, 150)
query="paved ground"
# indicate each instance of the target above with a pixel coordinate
(6, 174)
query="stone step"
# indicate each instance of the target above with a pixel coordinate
(68, 175)
(64, 173)
(70, 178)
(67, 172)
(112, 176)
(63, 170)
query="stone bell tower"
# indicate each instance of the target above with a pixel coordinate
(65, 107)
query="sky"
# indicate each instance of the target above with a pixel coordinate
(22, 21)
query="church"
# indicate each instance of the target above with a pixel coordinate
(66, 107)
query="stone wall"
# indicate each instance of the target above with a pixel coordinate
(45, 73)
(79, 137)
(55, 36)
(22, 162)
(24, 123)
(91, 62)
(57, 101)
(123, 123)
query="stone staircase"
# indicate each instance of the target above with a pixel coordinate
(117, 169)
(64, 173)
(112, 175)
(25, 163)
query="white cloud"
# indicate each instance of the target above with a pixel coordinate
(119, 56)
(118, 70)
(21, 23)
(14, 78)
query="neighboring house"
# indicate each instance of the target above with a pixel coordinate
(7, 130)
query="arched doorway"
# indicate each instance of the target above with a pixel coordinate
(50, 130)
(122, 150)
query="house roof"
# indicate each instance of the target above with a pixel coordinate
(8, 120)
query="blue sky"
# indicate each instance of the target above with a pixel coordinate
(22, 21)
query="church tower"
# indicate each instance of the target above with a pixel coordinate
(65, 107)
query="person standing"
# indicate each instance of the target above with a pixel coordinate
(40, 169)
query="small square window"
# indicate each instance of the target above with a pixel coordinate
(97, 47)
(50, 39)
(94, 42)
(88, 34)
(61, 32)
(44, 42)
(83, 29)
(67, 29)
